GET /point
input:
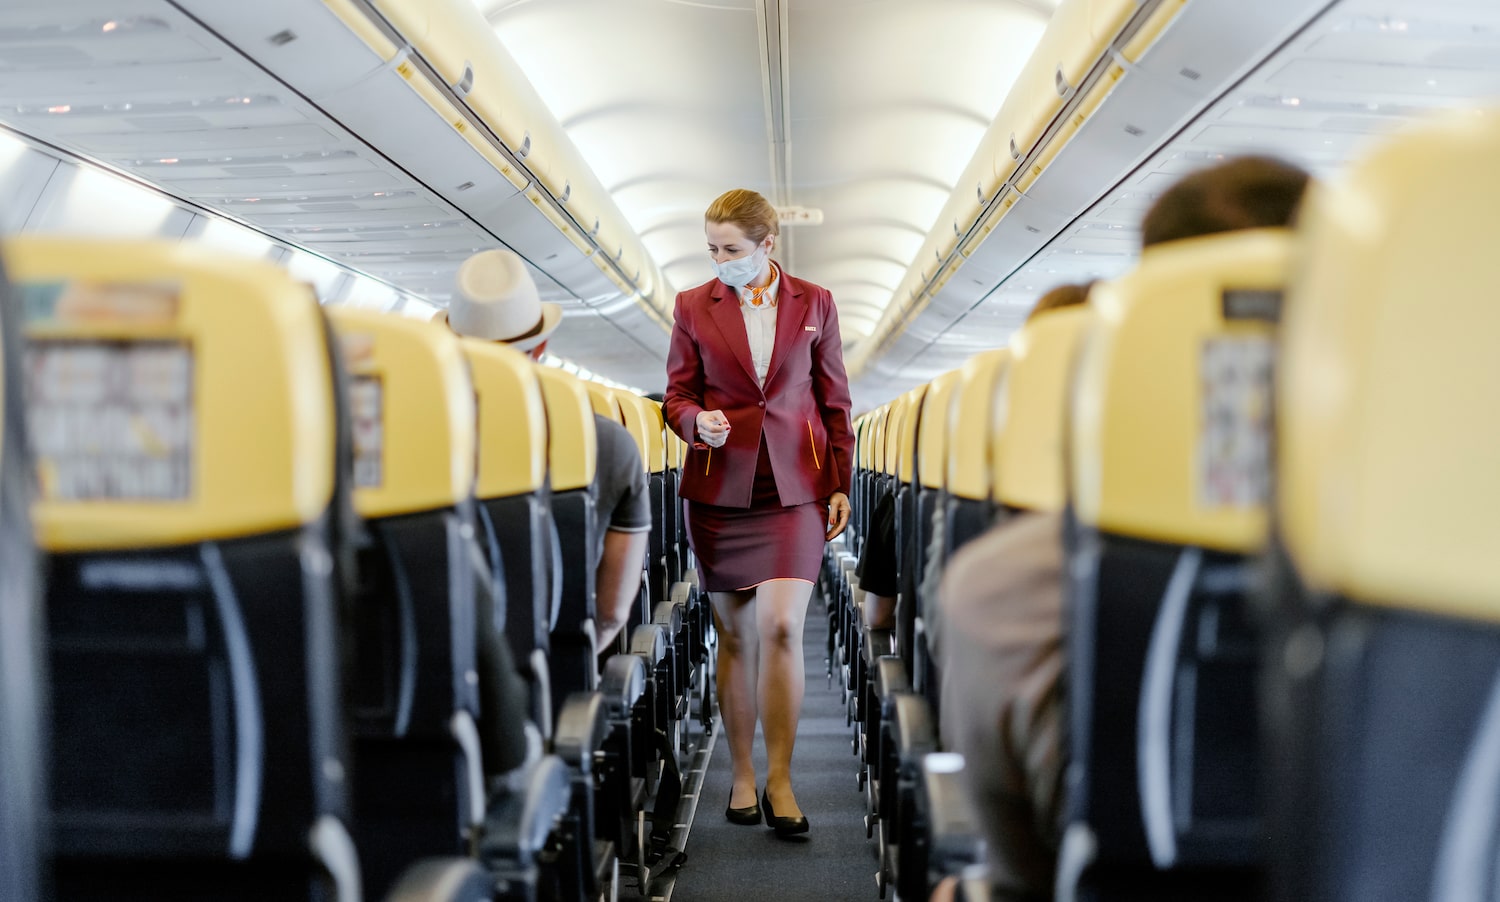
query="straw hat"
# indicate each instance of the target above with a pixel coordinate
(497, 301)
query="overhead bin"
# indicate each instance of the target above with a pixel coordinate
(1108, 84)
(429, 86)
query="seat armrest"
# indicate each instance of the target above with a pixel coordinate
(622, 684)
(912, 720)
(669, 615)
(681, 593)
(442, 880)
(582, 727)
(518, 825)
(955, 839)
(879, 644)
(891, 676)
(649, 641)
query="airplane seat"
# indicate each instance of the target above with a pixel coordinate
(647, 426)
(428, 735)
(23, 701)
(1380, 689)
(1026, 475)
(1168, 474)
(199, 636)
(515, 514)
(571, 405)
(932, 456)
(964, 501)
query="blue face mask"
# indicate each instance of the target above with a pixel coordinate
(741, 271)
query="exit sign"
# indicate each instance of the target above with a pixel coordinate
(791, 216)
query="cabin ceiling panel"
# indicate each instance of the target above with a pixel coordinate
(885, 103)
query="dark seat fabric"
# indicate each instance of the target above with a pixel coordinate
(1162, 665)
(190, 723)
(573, 638)
(526, 536)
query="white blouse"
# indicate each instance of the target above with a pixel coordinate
(760, 323)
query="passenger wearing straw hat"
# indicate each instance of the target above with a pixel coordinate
(497, 300)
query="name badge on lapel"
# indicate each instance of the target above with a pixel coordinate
(809, 328)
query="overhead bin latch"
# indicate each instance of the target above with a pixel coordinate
(1061, 81)
(465, 84)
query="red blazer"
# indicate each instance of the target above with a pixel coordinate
(803, 411)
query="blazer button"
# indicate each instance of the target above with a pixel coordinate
(762, 404)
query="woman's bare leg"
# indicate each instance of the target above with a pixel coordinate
(738, 663)
(780, 609)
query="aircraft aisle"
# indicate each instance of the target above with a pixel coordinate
(833, 861)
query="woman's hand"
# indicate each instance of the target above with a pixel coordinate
(713, 428)
(838, 515)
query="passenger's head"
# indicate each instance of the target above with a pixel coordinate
(1059, 297)
(1243, 193)
(738, 223)
(497, 300)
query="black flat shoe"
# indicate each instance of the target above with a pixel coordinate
(784, 826)
(748, 816)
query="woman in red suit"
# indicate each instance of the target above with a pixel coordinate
(756, 387)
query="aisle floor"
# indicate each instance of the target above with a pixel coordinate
(833, 861)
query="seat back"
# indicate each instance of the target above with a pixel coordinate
(418, 751)
(1168, 478)
(932, 459)
(644, 417)
(572, 452)
(23, 802)
(967, 479)
(907, 547)
(514, 510)
(196, 637)
(1388, 505)
(1026, 449)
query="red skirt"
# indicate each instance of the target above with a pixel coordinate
(740, 548)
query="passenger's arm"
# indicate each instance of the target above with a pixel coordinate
(618, 581)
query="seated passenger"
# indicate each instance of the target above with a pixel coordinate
(1002, 657)
(498, 301)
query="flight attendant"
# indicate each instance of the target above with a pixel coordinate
(756, 387)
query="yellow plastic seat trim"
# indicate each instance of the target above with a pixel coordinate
(632, 409)
(1389, 453)
(1031, 405)
(572, 444)
(893, 435)
(970, 414)
(932, 433)
(512, 422)
(429, 443)
(263, 405)
(656, 435)
(906, 465)
(605, 404)
(1138, 450)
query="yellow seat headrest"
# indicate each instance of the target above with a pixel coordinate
(892, 438)
(512, 425)
(970, 414)
(1171, 412)
(177, 395)
(641, 418)
(1031, 404)
(604, 402)
(906, 464)
(413, 408)
(932, 433)
(572, 444)
(1388, 484)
